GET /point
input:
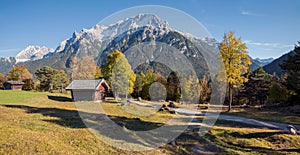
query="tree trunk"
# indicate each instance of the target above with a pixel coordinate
(230, 98)
(51, 88)
(116, 94)
(61, 87)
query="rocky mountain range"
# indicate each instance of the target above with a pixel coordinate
(100, 40)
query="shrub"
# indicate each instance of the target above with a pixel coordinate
(278, 93)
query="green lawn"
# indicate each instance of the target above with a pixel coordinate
(46, 123)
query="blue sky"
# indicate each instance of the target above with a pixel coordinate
(270, 27)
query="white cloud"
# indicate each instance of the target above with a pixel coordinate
(9, 50)
(267, 49)
(270, 45)
(248, 13)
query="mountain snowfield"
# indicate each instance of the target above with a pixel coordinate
(31, 53)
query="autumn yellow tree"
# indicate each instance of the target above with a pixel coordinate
(236, 60)
(19, 73)
(119, 74)
(2, 80)
(84, 68)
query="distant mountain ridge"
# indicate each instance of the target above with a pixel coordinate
(264, 61)
(6, 64)
(257, 62)
(274, 66)
(30, 53)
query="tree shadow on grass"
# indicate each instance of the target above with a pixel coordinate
(72, 119)
(67, 118)
(59, 98)
(258, 135)
(255, 135)
(135, 124)
(266, 149)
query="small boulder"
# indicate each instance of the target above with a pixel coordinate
(139, 99)
(165, 108)
(172, 105)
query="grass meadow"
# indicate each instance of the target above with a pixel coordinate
(48, 123)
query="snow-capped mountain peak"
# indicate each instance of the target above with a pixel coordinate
(130, 25)
(141, 20)
(101, 35)
(32, 53)
(264, 61)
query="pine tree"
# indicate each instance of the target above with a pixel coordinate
(28, 84)
(60, 80)
(204, 89)
(51, 79)
(236, 61)
(292, 69)
(45, 77)
(277, 93)
(257, 87)
(174, 87)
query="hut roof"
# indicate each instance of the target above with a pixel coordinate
(86, 84)
(15, 82)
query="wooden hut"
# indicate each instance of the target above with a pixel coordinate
(88, 90)
(13, 85)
